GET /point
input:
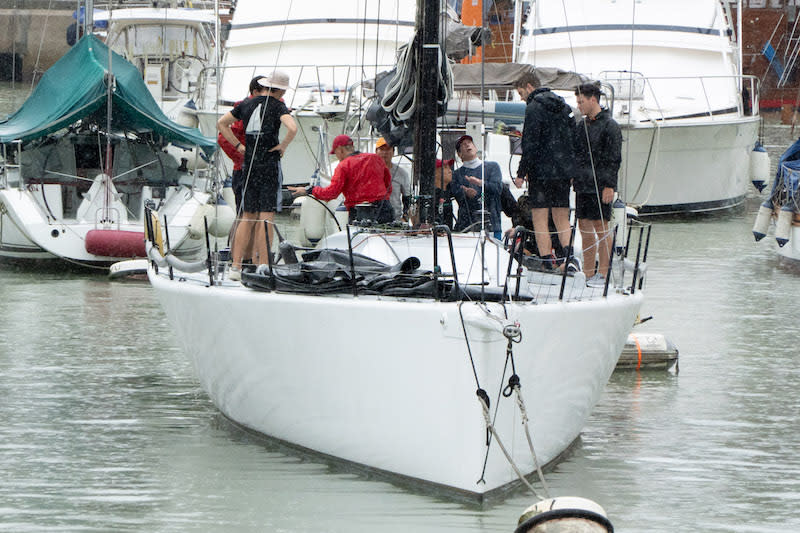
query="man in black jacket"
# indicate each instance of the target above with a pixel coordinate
(547, 162)
(598, 146)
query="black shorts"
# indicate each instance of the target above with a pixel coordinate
(260, 186)
(548, 193)
(236, 185)
(586, 207)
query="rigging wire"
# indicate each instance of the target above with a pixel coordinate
(41, 45)
(624, 180)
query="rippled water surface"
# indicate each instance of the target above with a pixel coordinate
(103, 425)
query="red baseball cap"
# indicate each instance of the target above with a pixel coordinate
(341, 140)
(448, 162)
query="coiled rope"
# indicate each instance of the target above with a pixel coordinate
(399, 99)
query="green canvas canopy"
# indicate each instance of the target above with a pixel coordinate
(75, 88)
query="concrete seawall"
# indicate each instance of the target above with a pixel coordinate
(31, 40)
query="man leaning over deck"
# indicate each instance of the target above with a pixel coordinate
(361, 177)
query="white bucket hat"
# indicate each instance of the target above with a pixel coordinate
(276, 80)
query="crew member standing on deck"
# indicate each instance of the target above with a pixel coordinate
(598, 152)
(361, 177)
(235, 155)
(547, 162)
(263, 116)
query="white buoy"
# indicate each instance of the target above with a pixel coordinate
(783, 229)
(759, 167)
(565, 513)
(762, 220)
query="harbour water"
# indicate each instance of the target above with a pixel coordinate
(103, 425)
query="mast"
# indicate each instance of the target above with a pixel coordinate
(427, 56)
(88, 16)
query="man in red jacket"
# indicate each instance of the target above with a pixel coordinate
(361, 177)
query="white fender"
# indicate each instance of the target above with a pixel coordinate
(619, 221)
(228, 196)
(784, 227)
(312, 218)
(196, 227)
(221, 220)
(759, 167)
(762, 221)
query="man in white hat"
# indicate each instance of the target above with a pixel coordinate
(263, 115)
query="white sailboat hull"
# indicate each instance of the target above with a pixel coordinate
(28, 233)
(388, 383)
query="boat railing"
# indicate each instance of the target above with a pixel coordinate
(437, 268)
(627, 265)
(336, 80)
(681, 97)
(12, 164)
(107, 216)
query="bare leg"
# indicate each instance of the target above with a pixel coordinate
(561, 220)
(603, 245)
(260, 244)
(589, 249)
(541, 227)
(242, 245)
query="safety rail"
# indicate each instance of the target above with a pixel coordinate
(353, 77)
(625, 274)
(635, 86)
(8, 165)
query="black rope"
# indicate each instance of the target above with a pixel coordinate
(513, 380)
(488, 438)
(469, 351)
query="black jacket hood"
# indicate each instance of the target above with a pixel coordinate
(550, 100)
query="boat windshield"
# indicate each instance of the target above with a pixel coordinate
(161, 40)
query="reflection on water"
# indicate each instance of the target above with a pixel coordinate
(102, 423)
